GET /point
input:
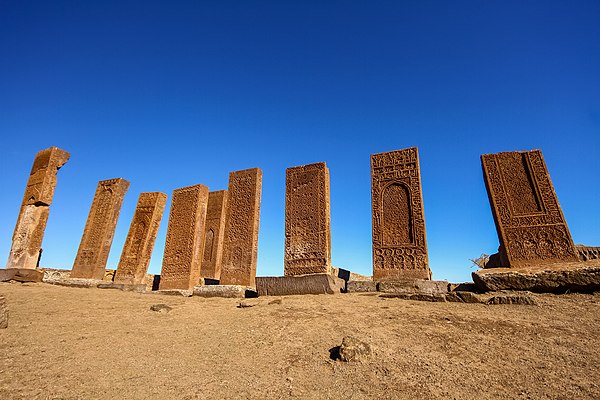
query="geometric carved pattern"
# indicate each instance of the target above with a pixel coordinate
(185, 238)
(529, 221)
(214, 232)
(99, 229)
(307, 220)
(137, 250)
(240, 243)
(35, 207)
(399, 244)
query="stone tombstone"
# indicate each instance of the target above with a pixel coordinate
(240, 244)
(307, 220)
(137, 250)
(35, 208)
(213, 235)
(90, 262)
(399, 244)
(185, 238)
(529, 221)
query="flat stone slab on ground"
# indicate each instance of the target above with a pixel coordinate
(422, 286)
(301, 284)
(230, 291)
(552, 278)
(77, 282)
(3, 313)
(361, 286)
(124, 287)
(21, 275)
(173, 292)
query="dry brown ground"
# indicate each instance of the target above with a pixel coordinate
(68, 343)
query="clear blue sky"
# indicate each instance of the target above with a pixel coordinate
(170, 94)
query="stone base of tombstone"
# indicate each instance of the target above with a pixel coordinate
(361, 286)
(53, 274)
(124, 287)
(228, 291)
(3, 313)
(300, 284)
(21, 275)
(173, 292)
(76, 282)
(416, 286)
(551, 278)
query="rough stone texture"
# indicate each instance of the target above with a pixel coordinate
(414, 286)
(185, 238)
(361, 286)
(552, 278)
(139, 288)
(35, 208)
(214, 232)
(433, 297)
(137, 250)
(109, 275)
(353, 349)
(529, 221)
(161, 308)
(77, 282)
(399, 244)
(522, 299)
(3, 313)
(21, 275)
(463, 297)
(152, 282)
(232, 291)
(92, 255)
(587, 253)
(302, 284)
(240, 244)
(307, 220)
(51, 274)
(174, 292)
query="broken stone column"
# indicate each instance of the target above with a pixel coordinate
(240, 247)
(399, 245)
(214, 232)
(529, 221)
(137, 250)
(185, 238)
(90, 262)
(35, 207)
(307, 220)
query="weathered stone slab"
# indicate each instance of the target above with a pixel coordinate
(307, 220)
(214, 232)
(3, 313)
(173, 292)
(230, 291)
(521, 299)
(463, 297)
(433, 297)
(302, 284)
(21, 275)
(414, 286)
(137, 250)
(35, 208)
(529, 221)
(139, 288)
(240, 244)
(185, 238)
(92, 255)
(77, 282)
(361, 286)
(552, 278)
(399, 243)
(52, 274)
(587, 253)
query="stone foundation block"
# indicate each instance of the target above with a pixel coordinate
(302, 284)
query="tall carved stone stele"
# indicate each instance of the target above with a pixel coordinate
(240, 245)
(213, 235)
(307, 220)
(99, 231)
(137, 250)
(35, 207)
(185, 238)
(399, 244)
(529, 221)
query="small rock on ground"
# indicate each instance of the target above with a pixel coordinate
(512, 299)
(352, 349)
(161, 308)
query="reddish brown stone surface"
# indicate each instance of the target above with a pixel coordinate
(307, 220)
(240, 246)
(140, 239)
(185, 238)
(529, 221)
(399, 244)
(213, 235)
(35, 207)
(99, 231)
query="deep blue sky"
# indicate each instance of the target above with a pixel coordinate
(170, 94)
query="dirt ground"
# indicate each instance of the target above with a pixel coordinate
(70, 343)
